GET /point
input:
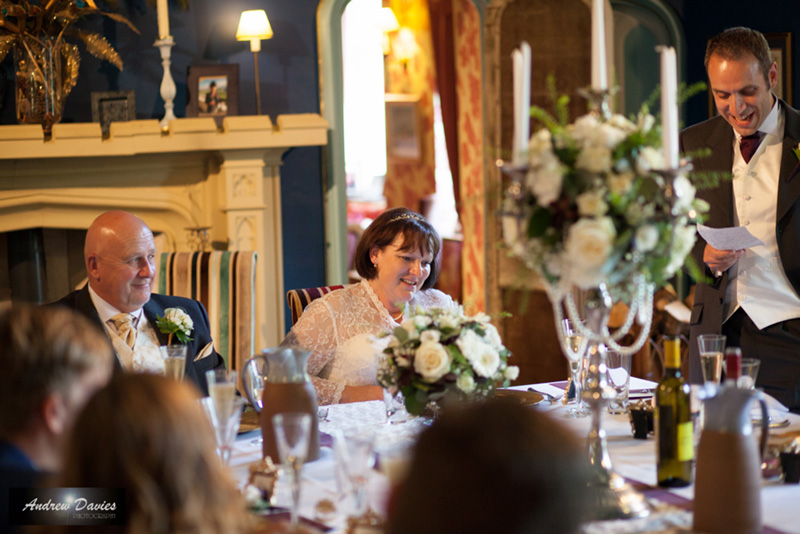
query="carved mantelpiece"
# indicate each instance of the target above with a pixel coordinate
(192, 175)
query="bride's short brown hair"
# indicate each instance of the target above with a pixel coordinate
(418, 234)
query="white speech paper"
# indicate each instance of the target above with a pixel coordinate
(734, 238)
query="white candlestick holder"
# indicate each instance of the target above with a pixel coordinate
(168, 89)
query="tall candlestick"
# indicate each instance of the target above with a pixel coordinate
(521, 60)
(669, 105)
(599, 74)
(163, 19)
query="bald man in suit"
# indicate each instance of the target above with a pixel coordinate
(120, 264)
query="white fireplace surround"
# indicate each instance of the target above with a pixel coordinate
(191, 175)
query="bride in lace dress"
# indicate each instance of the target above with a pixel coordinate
(397, 258)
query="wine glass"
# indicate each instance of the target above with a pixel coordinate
(355, 457)
(574, 349)
(226, 425)
(292, 432)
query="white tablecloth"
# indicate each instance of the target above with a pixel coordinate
(632, 458)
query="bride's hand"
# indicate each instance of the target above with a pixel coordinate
(361, 393)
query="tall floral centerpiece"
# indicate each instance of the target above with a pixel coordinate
(603, 205)
(443, 353)
(46, 63)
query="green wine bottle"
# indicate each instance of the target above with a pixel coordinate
(673, 421)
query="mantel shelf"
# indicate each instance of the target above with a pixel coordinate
(146, 137)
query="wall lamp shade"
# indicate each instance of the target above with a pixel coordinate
(254, 26)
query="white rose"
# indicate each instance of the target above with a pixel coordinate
(584, 128)
(619, 183)
(402, 361)
(431, 361)
(431, 335)
(481, 317)
(683, 239)
(421, 321)
(592, 204)
(613, 134)
(622, 122)
(594, 159)
(493, 336)
(484, 358)
(650, 158)
(544, 180)
(466, 383)
(511, 372)
(410, 326)
(646, 238)
(448, 321)
(541, 142)
(684, 194)
(589, 244)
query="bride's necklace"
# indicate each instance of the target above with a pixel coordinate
(398, 316)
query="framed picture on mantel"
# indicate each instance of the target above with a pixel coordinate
(403, 128)
(213, 91)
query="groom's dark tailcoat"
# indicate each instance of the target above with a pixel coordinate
(718, 136)
(81, 301)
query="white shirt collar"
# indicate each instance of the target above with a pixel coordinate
(106, 311)
(770, 124)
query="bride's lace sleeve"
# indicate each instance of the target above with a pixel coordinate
(316, 331)
(433, 298)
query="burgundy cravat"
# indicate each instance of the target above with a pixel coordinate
(748, 146)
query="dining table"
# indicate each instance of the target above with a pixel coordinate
(634, 459)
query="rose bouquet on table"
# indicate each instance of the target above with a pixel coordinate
(595, 206)
(443, 352)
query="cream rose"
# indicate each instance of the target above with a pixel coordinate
(646, 238)
(431, 361)
(511, 372)
(594, 159)
(430, 335)
(589, 244)
(466, 383)
(592, 204)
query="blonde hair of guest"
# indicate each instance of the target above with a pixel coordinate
(148, 434)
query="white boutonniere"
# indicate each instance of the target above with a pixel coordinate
(175, 322)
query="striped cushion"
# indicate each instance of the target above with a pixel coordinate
(298, 299)
(224, 282)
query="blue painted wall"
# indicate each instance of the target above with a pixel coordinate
(205, 35)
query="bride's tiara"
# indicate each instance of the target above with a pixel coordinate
(412, 216)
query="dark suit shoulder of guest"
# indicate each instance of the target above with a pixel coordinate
(81, 301)
(16, 471)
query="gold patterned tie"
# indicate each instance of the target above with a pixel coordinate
(125, 329)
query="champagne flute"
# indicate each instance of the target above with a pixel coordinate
(292, 432)
(712, 348)
(574, 349)
(355, 457)
(222, 390)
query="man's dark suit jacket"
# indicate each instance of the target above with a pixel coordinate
(717, 135)
(81, 301)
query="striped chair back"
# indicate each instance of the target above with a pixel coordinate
(298, 299)
(224, 281)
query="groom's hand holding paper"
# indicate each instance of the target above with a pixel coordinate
(725, 246)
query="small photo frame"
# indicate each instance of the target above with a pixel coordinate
(403, 128)
(113, 106)
(213, 91)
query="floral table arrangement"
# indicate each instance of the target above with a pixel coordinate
(595, 205)
(443, 353)
(46, 64)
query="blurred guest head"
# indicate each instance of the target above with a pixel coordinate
(741, 74)
(120, 260)
(149, 435)
(493, 467)
(53, 361)
(399, 255)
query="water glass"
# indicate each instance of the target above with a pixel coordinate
(174, 357)
(712, 350)
(750, 367)
(293, 432)
(395, 405)
(619, 377)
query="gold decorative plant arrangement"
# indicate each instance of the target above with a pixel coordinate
(46, 64)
